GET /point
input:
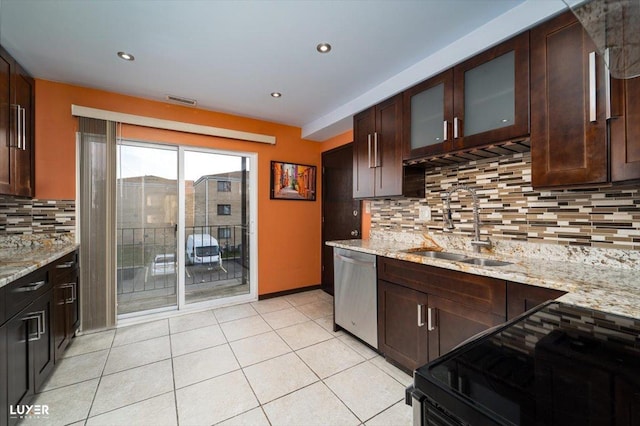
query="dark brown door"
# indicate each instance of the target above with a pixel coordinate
(19, 375)
(568, 143)
(451, 323)
(388, 148)
(6, 115)
(625, 130)
(41, 349)
(364, 126)
(24, 155)
(340, 212)
(402, 328)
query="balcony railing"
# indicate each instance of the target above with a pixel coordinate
(146, 258)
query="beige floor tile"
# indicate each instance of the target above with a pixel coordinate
(195, 340)
(304, 334)
(317, 309)
(245, 327)
(90, 343)
(284, 318)
(156, 411)
(253, 350)
(327, 324)
(313, 405)
(348, 386)
(271, 305)
(77, 369)
(215, 400)
(137, 354)
(191, 321)
(329, 357)
(203, 365)
(398, 415)
(303, 298)
(131, 386)
(234, 312)
(66, 405)
(404, 378)
(253, 417)
(139, 332)
(323, 295)
(279, 376)
(358, 346)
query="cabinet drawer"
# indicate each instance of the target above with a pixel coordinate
(481, 293)
(65, 269)
(25, 290)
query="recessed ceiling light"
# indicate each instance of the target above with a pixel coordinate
(323, 48)
(276, 94)
(126, 56)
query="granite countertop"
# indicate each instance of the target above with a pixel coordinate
(20, 261)
(608, 289)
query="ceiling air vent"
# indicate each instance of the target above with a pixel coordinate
(182, 101)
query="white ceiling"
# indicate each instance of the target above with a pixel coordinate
(230, 55)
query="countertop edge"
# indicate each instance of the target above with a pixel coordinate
(24, 268)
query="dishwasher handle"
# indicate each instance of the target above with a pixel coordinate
(354, 261)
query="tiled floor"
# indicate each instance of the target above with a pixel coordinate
(272, 362)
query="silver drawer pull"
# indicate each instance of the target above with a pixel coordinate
(31, 287)
(431, 323)
(41, 328)
(592, 87)
(420, 316)
(66, 265)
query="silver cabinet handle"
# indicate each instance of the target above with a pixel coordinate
(431, 324)
(445, 130)
(74, 292)
(376, 163)
(40, 318)
(607, 84)
(66, 265)
(592, 87)
(18, 125)
(369, 148)
(24, 127)
(420, 316)
(31, 287)
(456, 124)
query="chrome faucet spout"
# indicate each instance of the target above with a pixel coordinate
(477, 242)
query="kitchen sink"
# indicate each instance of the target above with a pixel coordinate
(440, 255)
(484, 262)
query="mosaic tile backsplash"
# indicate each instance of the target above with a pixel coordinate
(33, 217)
(511, 209)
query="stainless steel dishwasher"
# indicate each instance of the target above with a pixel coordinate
(355, 294)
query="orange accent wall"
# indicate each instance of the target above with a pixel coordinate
(337, 141)
(289, 232)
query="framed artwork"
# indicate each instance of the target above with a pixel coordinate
(291, 181)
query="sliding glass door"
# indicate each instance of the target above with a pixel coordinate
(216, 225)
(184, 221)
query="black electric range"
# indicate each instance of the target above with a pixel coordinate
(556, 365)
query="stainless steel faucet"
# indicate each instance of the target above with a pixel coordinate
(477, 242)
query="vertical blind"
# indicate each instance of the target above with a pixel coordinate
(97, 223)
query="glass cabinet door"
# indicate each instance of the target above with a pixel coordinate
(428, 108)
(427, 117)
(489, 95)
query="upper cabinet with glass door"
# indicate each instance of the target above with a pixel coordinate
(480, 101)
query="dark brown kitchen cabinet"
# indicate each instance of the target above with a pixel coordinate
(17, 94)
(377, 157)
(64, 276)
(523, 297)
(401, 328)
(424, 311)
(568, 106)
(480, 101)
(625, 130)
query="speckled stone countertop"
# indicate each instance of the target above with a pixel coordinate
(605, 288)
(16, 262)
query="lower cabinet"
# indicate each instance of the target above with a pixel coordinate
(40, 308)
(424, 311)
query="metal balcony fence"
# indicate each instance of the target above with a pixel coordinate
(147, 259)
